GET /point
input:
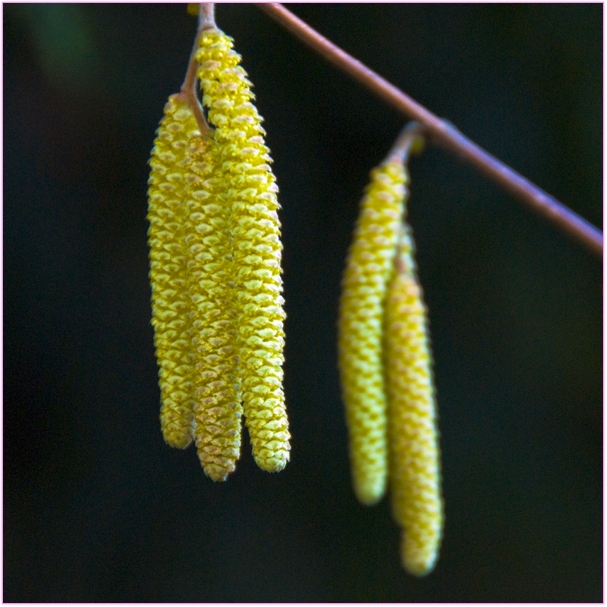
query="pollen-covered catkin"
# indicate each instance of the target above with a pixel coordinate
(368, 268)
(414, 452)
(250, 190)
(217, 407)
(168, 271)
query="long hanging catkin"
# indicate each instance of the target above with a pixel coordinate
(217, 407)
(368, 269)
(168, 271)
(249, 190)
(414, 452)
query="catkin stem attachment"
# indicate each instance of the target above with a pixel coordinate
(414, 453)
(368, 269)
(206, 15)
(410, 141)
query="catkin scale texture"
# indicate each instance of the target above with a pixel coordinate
(368, 268)
(248, 187)
(217, 407)
(168, 271)
(414, 452)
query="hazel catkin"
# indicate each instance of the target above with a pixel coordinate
(414, 452)
(217, 406)
(249, 189)
(168, 271)
(368, 269)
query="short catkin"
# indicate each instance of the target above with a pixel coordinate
(217, 406)
(249, 189)
(414, 452)
(368, 268)
(168, 271)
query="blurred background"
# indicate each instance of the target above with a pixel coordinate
(98, 508)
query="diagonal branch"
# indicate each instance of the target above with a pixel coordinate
(444, 132)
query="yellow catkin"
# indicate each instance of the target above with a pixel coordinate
(414, 452)
(368, 268)
(217, 408)
(250, 190)
(168, 272)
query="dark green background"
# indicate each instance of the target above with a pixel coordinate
(98, 508)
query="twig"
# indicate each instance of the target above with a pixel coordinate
(206, 16)
(444, 132)
(411, 140)
(188, 88)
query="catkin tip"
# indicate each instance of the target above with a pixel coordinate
(274, 463)
(370, 495)
(177, 427)
(415, 559)
(217, 473)
(177, 440)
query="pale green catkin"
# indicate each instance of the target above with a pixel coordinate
(414, 453)
(364, 285)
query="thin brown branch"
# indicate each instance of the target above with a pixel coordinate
(410, 141)
(188, 88)
(206, 15)
(444, 132)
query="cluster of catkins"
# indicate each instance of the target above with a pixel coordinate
(385, 367)
(217, 309)
(215, 271)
